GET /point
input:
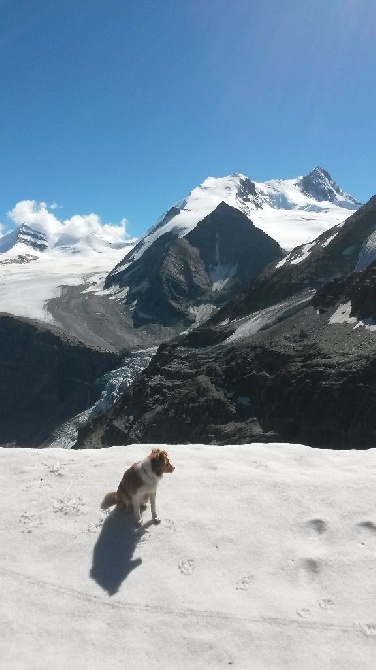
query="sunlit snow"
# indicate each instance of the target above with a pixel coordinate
(264, 559)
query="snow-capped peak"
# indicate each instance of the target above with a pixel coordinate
(319, 185)
(23, 239)
(292, 211)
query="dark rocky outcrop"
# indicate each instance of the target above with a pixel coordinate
(46, 378)
(176, 276)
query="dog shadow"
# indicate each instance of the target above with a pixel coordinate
(113, 552)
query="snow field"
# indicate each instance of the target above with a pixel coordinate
(264, 559)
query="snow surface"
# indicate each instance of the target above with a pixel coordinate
(264, 559)
(249, 325)
(343, 315)
(25, 288)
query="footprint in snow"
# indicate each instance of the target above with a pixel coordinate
(310, 569)
(71, 505)
(30, 521)
(304, 612)
(370, 526)
(187, 566)
(244, 583)
(368, 629)
(58, 469)
(326, 603)
(316, 526)
(95, 527)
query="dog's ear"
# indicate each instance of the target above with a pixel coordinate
(157, 461)
(154, 453)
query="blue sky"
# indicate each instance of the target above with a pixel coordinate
(121, 107)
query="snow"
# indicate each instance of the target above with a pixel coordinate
(367, 254)
(278, 207)
(200, 313)
(343, 315)
(250, 325)
(220, 274)
(25, 288)
(264, 559)
(304, 253)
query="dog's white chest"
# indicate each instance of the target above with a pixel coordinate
(149, 479)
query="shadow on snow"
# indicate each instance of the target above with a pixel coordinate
(113, 552)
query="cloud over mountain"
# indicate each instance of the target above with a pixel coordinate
(40, 217)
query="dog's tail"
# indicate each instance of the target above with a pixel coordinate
(109, 500)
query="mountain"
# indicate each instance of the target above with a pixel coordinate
(81, 282)
(345, 248)
(209, 384)
(23, 244)
(293, 360)
(25, 239)
(291, 211)
(196, 257)
(177, 278)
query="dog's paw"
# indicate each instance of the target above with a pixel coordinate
(138, 522)
(156, 519)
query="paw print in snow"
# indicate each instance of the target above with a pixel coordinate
(187, 566)
(326, 603)
(30, 521)
(95, 527)
(57, 469)
(304, 612)
(369, 629)
(69, 505)
(244, 583)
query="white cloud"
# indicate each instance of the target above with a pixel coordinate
(39, 216)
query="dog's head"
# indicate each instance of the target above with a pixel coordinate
(160, 462)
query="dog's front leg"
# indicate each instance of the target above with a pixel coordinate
(154, 514)
(136, 510)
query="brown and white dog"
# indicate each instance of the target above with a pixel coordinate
(139, 485)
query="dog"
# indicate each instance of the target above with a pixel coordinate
(139, 485)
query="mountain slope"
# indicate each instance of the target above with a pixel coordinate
(176, 277)
(346, 248)
(291, 211)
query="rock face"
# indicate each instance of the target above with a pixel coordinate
(319, 185)
(177, 277)
(46, 378)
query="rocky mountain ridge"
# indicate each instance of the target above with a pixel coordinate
(301, 369)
